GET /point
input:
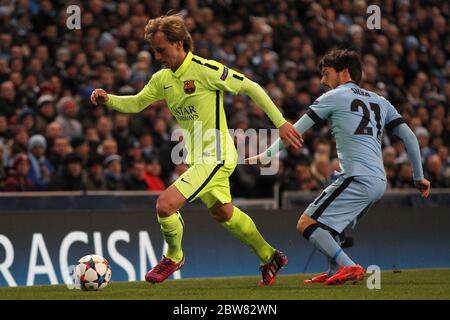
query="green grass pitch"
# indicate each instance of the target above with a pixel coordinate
(407, 284)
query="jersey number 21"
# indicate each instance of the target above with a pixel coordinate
(363, 127)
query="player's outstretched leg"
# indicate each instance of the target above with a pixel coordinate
(243, 228)
(172, 225)
(333, 268)
(173, 260)
(325, 243)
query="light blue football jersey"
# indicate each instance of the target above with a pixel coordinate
(358, 117)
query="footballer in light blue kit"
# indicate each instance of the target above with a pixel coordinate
(357, 118)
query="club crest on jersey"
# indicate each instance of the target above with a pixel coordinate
(189, 86)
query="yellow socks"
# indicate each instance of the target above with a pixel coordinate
(172, 230)
(243, 228)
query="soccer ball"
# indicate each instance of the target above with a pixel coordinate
(93, 272)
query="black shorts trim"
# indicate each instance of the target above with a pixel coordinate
(211, 175)
(330, 199)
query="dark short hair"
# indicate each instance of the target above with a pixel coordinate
(341, 59)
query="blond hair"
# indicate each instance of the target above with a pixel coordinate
(173, 28)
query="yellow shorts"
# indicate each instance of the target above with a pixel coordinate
(206, 181)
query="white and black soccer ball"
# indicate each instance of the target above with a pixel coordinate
(93, 272)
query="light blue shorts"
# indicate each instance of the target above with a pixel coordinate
(346, 200)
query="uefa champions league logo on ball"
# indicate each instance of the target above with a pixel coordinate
(92, 273)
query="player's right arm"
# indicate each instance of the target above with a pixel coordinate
(396, 124)
(131, 104)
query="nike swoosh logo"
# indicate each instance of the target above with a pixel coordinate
(167, 87)
(182, 179)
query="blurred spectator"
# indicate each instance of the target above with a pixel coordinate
(243, 180)
(17, 179)
(113, 172)
(302, 178)
(423, 136)
(72, 176)
(95, 179)
(93, 139)
(389, 156)
(148, 149)
(46, 112)
(26, 118)
(20, 140)
(321, 170)
(121, 130)
(108, 148)
(434, 172)
(400, 151)
(160, 132)
(8, 100)
(58, 153)
(135, 178)
(5, 132)
(104, 127)
(404, 176)
(67, 111)
(133, 153)
(391, 172)
(153, 175)
(81, 148)
(52, 131)
(322, 147)
(41, 169)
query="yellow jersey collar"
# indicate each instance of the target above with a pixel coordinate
(187, 61)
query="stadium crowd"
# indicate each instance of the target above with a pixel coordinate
(53, 138)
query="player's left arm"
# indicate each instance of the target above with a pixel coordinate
(396, 124)
(413, 150)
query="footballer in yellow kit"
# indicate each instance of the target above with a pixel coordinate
(193, 89)
(194, 95)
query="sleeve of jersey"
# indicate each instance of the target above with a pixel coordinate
(412, 148)
(303, 124)
(261, 98)
(321, 108)
(134, 104)
(219, 77)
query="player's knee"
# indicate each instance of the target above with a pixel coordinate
(222, 213)
(304, 222)
(164, 207)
